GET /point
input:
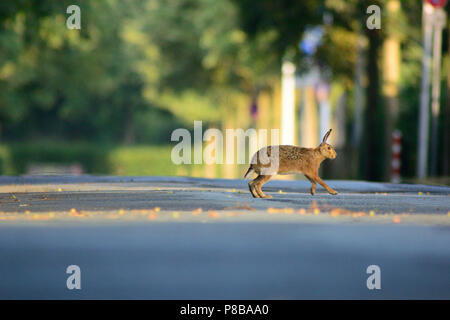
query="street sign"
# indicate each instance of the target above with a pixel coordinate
(437, 3)
(312, 38)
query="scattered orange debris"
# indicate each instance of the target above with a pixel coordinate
(151, 216)
(7, 218)
(396, 219)
(314, 207)
(280, 210)
(241, 206)
(213, 214)
(336, 212)
(358, 214)
(197, 211)
(75, 213)
(341, 211)
(42, 216)
(232, 214)
(301, 211)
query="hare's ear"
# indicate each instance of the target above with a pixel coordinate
(325, 137)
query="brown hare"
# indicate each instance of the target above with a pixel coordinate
(273, 160)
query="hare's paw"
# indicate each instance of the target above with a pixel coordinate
(333, 192)
(267, 196)
(252, 190)
(313, 191)
(254, 194)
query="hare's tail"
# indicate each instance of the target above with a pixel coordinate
(249, 172)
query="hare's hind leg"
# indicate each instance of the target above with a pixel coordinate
(251, 187)
(313, 184)
(259, 181)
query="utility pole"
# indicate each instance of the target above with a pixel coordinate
(427, 12)
(432, 16)
(391, 77)
(287, 103)
(439, 23)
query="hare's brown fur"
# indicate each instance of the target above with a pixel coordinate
(291, 159)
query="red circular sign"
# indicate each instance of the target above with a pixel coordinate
(437, 3)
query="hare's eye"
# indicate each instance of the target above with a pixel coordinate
(329, 148)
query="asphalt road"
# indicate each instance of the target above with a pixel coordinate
(184, 238)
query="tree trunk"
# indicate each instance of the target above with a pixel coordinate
(391, 76)
(129, 134)
(446, 127)
(372, 155)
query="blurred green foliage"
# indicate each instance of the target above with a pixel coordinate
(135, 71)
(138, 69)
(142, 160)
(6, 165)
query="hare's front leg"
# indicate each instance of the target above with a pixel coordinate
(323, 184)
(313, 184)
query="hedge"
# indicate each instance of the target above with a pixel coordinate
(121, 160)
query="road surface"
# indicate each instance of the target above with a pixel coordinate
(186, 238)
